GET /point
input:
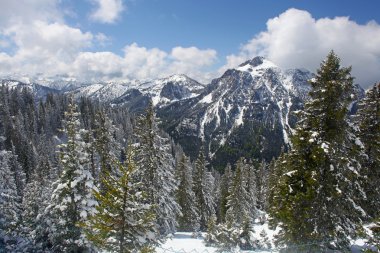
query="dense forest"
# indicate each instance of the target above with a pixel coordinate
(83, 176)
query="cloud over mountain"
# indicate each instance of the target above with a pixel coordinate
(295, 39)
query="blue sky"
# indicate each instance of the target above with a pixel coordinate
(143, 39)
(220, 24)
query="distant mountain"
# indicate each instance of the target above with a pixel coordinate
(39, 91)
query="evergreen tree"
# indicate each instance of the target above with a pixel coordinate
(189, 220)
(105, 145)
(225, 186)
(262, 179)
(72, 199)
(316, 196)
(369, 126)
(203, 189)
(121, 213)
(10, 206)
(155, 169)
(36, 199)
(239, 200)
(252, 188)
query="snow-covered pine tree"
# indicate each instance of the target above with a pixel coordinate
(189, 220)
(369, 125)
(155, 169)
(239, 200)
(36, 199)
(224, 187)
(10, 202)
(262, 184)
(316, 196)
(203, 185)
(72, 200)
(105, 145)
(19, 174)
(250, 173)
(123, 222)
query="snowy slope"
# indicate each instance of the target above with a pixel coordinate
(161, 91)
(105, 92)
(170, 89)
(39, 91)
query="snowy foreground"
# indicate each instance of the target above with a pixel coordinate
(183, 242)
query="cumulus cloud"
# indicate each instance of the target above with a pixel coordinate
(42, 47)
(107, 11)
(295, 39)
(25, 11)
(139, 62)
(35, 41)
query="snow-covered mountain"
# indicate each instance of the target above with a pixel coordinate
(173, 88)
(104, 92)
(248, 108)
(161, 91)
(39, 91)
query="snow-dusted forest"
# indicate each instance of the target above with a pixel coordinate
(79, 175)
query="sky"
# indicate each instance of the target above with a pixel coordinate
(105, 40)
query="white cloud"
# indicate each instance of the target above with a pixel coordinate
(107, 11)
(35, 41)
(97, 66)
(42, 47)
(102, 39)
(295, 39)
(25, 11)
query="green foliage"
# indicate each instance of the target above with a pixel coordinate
(189, 220)
(253, 140)
(155, 171)
(72, 198)
(369, 123)
(203, 190)
(316, 190)
(224, 188)
(122, 222)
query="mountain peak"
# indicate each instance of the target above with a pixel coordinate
(258, 60)
(256, 65)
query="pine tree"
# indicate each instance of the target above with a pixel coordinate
(316, 196)
(252, 188)
(369, 126)
(10, 206)
(121, 213)
(203, 189)
(72, 199)
(36, 199)
(189, 220)
(225, 185)
(105, 145)
(155, 169)
(239, 201)
(262, 186)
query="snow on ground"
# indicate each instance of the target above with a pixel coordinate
(184, 242)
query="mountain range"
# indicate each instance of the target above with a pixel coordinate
(248, 111)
